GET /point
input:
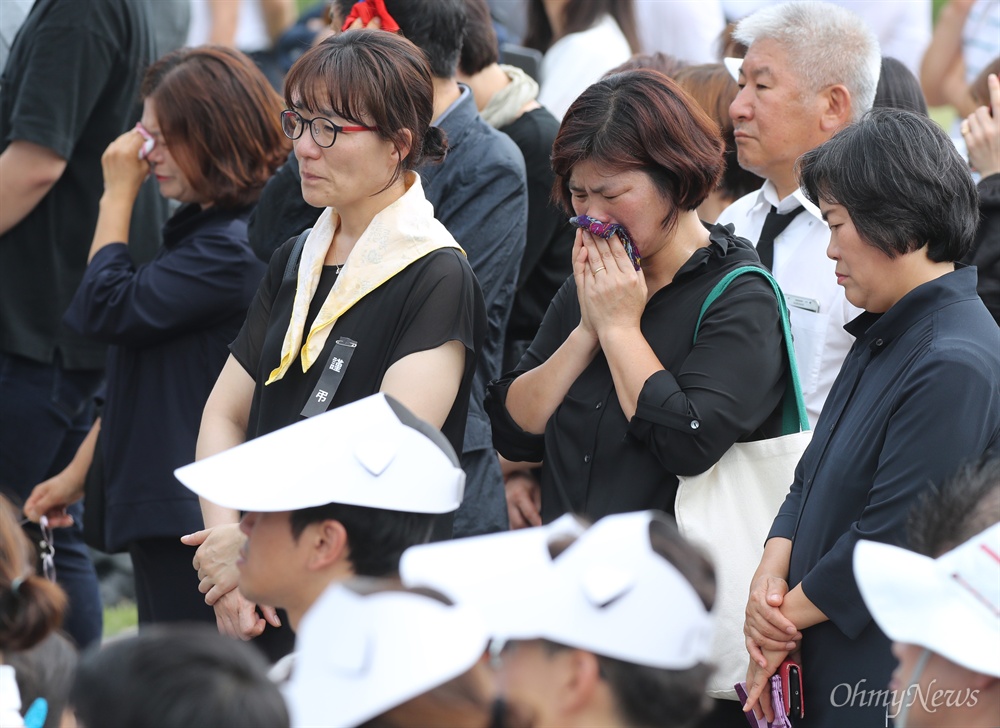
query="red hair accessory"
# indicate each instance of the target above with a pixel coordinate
(368, 10)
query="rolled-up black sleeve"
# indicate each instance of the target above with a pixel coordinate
(509, 439)
(733, 373)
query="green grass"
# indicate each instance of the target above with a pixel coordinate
(119, 618)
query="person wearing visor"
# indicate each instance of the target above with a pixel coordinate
(376, 655)
(308, 524)
(943, 616)
(614, 630)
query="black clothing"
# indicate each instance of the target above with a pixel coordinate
(281, 212)
(727, 387)
(170, 323)
(71, 86)
(434, 300)
(918, 395)
(479, 194)
(166, 587)
(548, 252)
(985, 253)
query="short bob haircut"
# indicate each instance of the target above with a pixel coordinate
(221, 119)
(901, 180)
(641, 120)
(372, 78)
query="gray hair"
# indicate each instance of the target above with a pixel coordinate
(826, 43)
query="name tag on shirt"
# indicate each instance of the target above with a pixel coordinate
(806, 304)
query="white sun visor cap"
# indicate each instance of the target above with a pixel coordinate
(471, 571)
(373, 453)
(359, 656)
(918, 600)
(609, 593)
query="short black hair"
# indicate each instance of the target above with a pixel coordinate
(436, 27)
(648, 696)
(967, 504)
(176, 676)
(376, 538)
(480, 47)
(898, 88)
(902, 182)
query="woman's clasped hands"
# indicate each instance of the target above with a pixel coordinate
(216, 563)
(770, 637)
(611, 292)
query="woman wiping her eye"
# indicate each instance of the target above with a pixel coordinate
(212, 119)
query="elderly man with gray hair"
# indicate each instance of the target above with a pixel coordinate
(811, 69)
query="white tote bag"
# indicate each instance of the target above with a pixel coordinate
(728, 509)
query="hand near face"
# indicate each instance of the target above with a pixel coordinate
(981, 132)
(615, 294)
(124, 172)
(582, 276)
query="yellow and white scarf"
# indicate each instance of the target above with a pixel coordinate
(402, 233)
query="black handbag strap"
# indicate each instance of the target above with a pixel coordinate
(291, 267)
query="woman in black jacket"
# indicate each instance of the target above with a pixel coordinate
(210, 135)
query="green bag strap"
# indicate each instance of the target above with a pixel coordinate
(793, 418)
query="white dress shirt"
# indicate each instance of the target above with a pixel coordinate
(804, 272)
(577, 60)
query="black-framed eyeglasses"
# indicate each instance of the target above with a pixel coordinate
(324, 132)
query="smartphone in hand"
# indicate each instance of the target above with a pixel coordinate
(791, 688)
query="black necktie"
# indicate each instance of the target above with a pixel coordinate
(774, 225)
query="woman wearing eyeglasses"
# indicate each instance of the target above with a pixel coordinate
(380, 297)
(210, 136)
